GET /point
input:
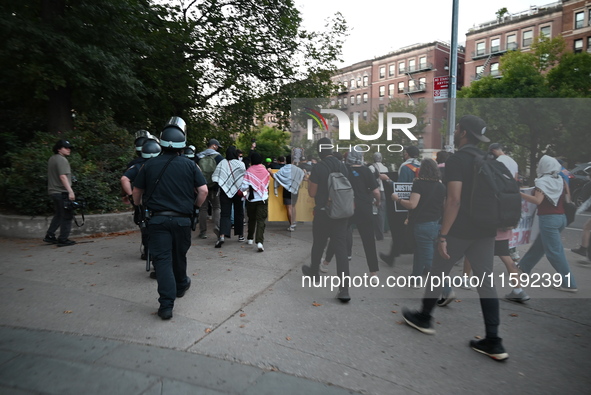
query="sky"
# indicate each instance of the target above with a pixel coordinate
(378, 27)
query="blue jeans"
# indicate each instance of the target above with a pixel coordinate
(549, 243)
(425, 236)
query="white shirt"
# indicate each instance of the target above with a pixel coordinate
(509, 163)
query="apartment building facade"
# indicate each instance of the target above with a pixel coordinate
(487, 42)
(576, 25)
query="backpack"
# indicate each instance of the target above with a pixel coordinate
(341, 199)
(495, 201)
(208, 165)
(414, 169)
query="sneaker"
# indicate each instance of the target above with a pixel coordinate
(50, 239)
(491, 347)
(260, 247)
(65, 243)
(418, 321)
(581, 250)
(566, 289)
(307, 271)
(218, 244)
(250, 241)
(291, 228)
(445, 300)
(165, 314)
(241, 239)
(374, 280)
(323, 267)
(202, 235)
(343, 295)
(517, 296)
(387, 259)
(153, 275)
(515, 256)
(465, 284)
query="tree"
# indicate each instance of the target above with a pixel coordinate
(270, 142)
(526, 109)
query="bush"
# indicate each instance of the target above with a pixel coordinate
(98, 160)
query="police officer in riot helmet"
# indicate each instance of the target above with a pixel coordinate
(141, 136)
(150, 149)
(189, 152)
(169, 186)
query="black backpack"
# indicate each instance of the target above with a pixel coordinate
(494, 200)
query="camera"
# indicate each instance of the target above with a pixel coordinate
(78, 204)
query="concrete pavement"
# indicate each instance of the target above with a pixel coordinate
(83, 319)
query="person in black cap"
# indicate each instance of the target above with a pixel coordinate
(59, 187)
(207, 161)
(459, 236)
(169, 186)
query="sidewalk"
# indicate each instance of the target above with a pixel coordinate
(83, 319)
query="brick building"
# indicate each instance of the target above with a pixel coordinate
(576, 25)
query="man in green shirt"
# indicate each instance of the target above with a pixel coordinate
(59, 187)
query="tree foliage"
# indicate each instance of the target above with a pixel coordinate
(532, 109)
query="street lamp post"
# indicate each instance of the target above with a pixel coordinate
(453, 72)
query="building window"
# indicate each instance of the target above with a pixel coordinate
(332, 102)
(545, 31)
(422, 83)
(382, 91)
(365, 80)
(401, 87)
(422, 62)
(480, 48)
(578, 45)
(381, 108)
(364, 115)
(589, 44)
(528, 37)
(421, 99)
(579, 19)
(358, 82)
(494, 69)
(511, 42)
(391, 90)
(391, 70)
(401, 68)
(352, 100)
(352, 83)
(382, 71)
(412, 65)
(365, 97)
(411, 86)
(479, 71)
(495, 45)
(345, 85)
(358, 99)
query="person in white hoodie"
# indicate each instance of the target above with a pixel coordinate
(289, 177)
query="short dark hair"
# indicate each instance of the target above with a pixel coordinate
(442, 156)
(429, 170)
(412, 151)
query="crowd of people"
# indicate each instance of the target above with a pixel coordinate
(172, 187)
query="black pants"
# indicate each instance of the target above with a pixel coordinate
(226, 205)
(62, 218)
(324, 228)
(363, 221)
(169, 241)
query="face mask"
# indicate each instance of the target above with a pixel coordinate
(240, 159)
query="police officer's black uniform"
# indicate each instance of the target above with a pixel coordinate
(170, 202)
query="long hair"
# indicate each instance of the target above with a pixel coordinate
(428, 170)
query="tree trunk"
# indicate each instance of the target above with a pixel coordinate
(59, 111)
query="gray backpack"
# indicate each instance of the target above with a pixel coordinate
(341, 199)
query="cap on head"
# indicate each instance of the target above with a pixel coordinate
(474, 125)
(412, 151)
(212, 142)
(61, 144)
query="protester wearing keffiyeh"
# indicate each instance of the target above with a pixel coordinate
(289, 177)
(255, 186)
(256, 177)
(229, 175)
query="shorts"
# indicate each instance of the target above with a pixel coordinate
(502, 248)
(289, 198)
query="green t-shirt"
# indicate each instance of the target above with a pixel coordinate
(56, 166)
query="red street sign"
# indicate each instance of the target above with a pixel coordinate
(440, 88)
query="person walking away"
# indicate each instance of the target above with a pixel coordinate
(59, 187)
(228, 175)
(380, 170)
(550, 194)
(170, 186)
(426, 205)
(324, 227)
(207, 161)
(290, 178)
(255, 185)
(460, 236)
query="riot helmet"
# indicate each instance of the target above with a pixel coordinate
(140, 138)
(189, 151)
(151, 149)
(173, 134)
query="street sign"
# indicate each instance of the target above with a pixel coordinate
(440, 89)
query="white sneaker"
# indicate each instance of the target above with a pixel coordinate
(323, 268)
(291, 229)
(260, 247)
(374, 280)
(249, 241)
